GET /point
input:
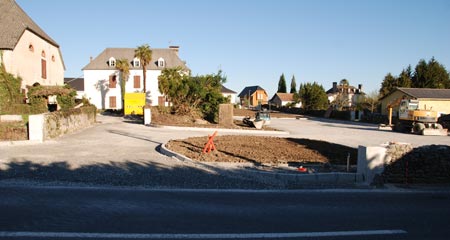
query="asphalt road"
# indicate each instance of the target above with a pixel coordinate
(114, 213)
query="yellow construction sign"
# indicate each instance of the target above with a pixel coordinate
(134, 103)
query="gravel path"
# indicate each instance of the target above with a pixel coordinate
(117, 153)
(114, 152)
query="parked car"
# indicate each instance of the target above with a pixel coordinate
(444, 120)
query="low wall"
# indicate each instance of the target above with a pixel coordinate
(373, 159)
(51, 125)
(286, 180)
(11, 118)
(429, 164)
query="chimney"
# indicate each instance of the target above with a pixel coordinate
(175, 48)
(335, 89)
(359, 88)
(90, 59)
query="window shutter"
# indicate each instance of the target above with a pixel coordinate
(137, 81)
(43, 69)
(112, 102)
(112, 81)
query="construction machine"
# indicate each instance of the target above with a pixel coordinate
(261, 118)
(415, 120)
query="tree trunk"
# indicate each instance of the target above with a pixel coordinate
(145, 79)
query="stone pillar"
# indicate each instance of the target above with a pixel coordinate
(226, 114)
(36, 127)
(371, 162)
(147, 116)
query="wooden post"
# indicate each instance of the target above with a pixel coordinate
(390, 116)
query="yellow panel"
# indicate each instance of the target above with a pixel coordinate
(134, 103)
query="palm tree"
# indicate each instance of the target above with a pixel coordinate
(124, 67)
(144, 53)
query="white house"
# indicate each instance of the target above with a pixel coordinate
(77, 84)
(26, 50)
(102, 79)
(228, 93)
(348, 96)
(282, 99)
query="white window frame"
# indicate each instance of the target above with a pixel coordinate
(161, 62)
(112, 62)
(136, 62)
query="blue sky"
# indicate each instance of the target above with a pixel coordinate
(254, 41)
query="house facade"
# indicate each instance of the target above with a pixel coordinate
(344, 95)
(282, 99)
(230, 94)
(26, 50)
(435, 99)
(102, 83)
(253, 96)
(77, 84)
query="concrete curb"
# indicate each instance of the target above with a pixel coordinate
(21, 143)
(282, 179)
(220, 130)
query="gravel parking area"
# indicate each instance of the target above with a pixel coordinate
(116, 152)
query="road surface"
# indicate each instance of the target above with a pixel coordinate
(114, 213)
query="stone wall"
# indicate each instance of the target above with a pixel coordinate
(60, 123)
(51, 125)
(426, 164)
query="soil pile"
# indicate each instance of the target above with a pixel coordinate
(264, 150)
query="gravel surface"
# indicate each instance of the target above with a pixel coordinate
(120, 152)
(115, 152)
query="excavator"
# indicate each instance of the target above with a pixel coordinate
(415, 120)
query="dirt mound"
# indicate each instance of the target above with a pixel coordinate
(264, 150)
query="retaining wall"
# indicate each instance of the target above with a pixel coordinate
(51, 125)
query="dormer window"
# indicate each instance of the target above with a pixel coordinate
(112, 62)
(161, 62)
(136, 62)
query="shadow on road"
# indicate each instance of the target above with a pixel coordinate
(128, 174)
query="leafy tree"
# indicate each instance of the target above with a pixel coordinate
(144, 53)
(282, 84)
(189, 94)
(172, 83)
(313, 96)
(9, 87)
(293, 85)
(430, 74)
(208, 89)
(344, 82)
(124, 67)
(404, 79)
(388, 85)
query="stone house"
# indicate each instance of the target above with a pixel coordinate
(26, 50)
(347, 96)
